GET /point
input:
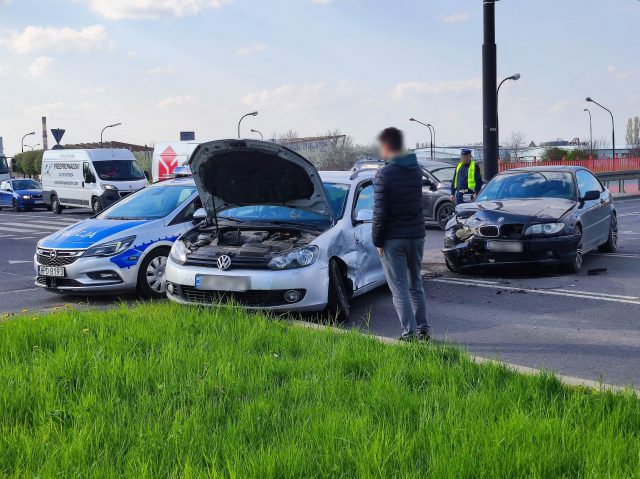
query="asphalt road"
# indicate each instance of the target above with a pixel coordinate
(579, 325)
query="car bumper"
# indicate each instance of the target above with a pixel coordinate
(266, 291)
(476, 252)
(83, 276)
(31, 203)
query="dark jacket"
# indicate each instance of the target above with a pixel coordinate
(397, 212)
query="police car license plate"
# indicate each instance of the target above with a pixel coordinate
(505, 246)
(223, 283)
(55, 271)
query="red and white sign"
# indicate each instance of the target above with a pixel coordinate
(168, 163)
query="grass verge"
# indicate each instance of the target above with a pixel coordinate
(160, 390)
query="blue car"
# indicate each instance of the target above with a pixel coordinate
(21, 194)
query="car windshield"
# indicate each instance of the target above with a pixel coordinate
(149, 203)
(26, 185)
(444, 175)
(336, 193)
(530, 184)
(4, 167)
(119, 170)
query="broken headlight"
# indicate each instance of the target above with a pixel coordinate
(544, 229)
(298, 258)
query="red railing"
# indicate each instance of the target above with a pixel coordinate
(597, 165)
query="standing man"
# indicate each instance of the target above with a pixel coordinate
(398, 232)
(467, 178)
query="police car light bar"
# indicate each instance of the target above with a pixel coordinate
(182, 172)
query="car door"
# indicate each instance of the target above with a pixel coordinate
(429, 195)
(3, 193)
(369, 267)
(594, 214)
(183, 221)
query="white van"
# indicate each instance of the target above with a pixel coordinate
(89, 178)
(168, 156)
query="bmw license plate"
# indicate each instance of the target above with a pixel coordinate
(223, 283)
(55, 271)
(505, 246)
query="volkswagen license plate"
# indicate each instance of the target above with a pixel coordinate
(55, 271)
(223, 283)
(505, 246)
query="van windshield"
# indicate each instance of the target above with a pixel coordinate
(4, 167)
(119, 170)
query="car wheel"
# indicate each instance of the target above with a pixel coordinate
(96, 206)
(338, 302)
(574, 266)
(151, 275)
(56, 207)
(454, 268)
(612, 241)
(443, 213)
(16, 206)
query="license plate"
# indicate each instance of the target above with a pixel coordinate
(223, 283)
(505, 246)
(55, 271)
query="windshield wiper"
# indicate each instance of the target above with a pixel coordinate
(236, 220)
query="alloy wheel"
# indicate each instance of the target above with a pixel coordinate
(444, 213)
(156, 274)
(614, 232)
(578, 259)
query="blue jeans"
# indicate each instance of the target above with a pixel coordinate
(402, 262)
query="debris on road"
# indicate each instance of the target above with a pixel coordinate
(596, 271)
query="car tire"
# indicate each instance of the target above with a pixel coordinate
(96, 206)
(338, 307)
(612, 241)
(56, 207)
(454, 268)
(574, 266)
(16, 207)
(151, 275)
(443, 213)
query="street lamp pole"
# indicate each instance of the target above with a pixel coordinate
(22, 141)
(256, 131)
(590, 131)
(489, 89)
(108, 126)
(613, 126)
(431, 134)
(253, 113)
(514, 77)
(433, 143)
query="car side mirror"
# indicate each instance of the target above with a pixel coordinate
(88, 178)
(591, 195)
(364, 216)
(199, 215)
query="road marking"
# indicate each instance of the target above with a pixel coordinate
(617, 255)
(62, 224)
(480, 281)
(28, 237)
(553, 292)
(631, 213)
(14, 261)
(18, 291)
(7, 236)
(7, 227)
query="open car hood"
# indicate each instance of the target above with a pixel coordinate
(232, 173)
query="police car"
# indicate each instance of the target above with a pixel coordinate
(124, 248)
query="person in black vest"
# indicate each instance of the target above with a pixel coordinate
(398, 232)
(467, 178)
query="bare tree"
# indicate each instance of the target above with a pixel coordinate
(515, 143)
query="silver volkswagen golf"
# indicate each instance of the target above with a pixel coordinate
(278, 234)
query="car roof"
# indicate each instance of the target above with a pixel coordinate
(558, 168)
(347, 176)
(433, 165)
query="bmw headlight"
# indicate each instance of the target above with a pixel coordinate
(108, 187)
(179, 252)
(544, 229)
(26, 197)
(298, 258)
(111, 248)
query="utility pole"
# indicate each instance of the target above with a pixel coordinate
(489, 89)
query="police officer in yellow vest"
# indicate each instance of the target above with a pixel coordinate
(467, 178)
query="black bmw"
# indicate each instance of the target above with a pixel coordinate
(550, 215)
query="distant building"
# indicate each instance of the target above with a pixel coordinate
(557, 142)
(311, 142)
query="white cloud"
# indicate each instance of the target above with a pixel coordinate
(132, 53)
(246, 51)
(5, 2)
(151, 9)
(39, 66)
(621, 75)
(168, 70)
(4, 69)
(322, 2)
(176, 101)
(454, 17)
(39, 39)
(302, 96)
(564, 105)
(409, 89)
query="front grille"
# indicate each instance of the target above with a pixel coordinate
(124, 193)
(237, 262)
(57, 282)
(36, 197)
(511, 231)
(489, 231)
(61, 257)
(253, 298)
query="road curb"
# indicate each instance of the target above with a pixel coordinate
(570, 381)
(629, 196)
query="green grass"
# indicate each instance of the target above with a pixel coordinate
(167, 391)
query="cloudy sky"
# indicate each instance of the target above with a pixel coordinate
(161, 66)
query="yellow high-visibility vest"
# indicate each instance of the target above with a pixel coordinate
(471, 176)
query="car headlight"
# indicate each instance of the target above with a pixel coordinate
(111, 248)
(179, 252)
(298, 258)
(108, 187)
(544, 229)
(26, 197)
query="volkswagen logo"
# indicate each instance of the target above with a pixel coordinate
(224, 262)
(53, 254)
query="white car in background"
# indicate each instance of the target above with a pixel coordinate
(278, 235)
